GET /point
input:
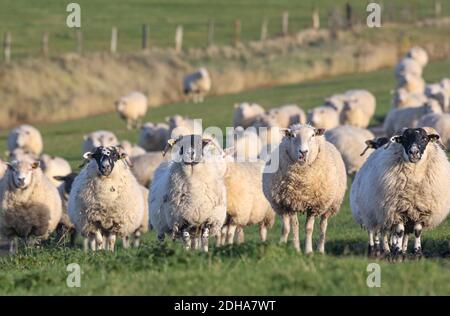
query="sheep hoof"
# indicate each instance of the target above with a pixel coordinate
(398, 255)
(417, 253)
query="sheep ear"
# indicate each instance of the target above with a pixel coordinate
(319, 131)
(396, 139)
(169, 145)
(10, 166)
(286, 132)
(35, 164)
(87, 155)
(59, 178)
(433, 138)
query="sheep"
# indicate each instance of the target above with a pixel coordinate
(350, 141)
(283, 117)
(144, 166)
(65, 225)
(3, 167)
(408, 117)
(294, 112)
(21, 154)
(359, 107)
(419, 55)
(407, 66)
(437, 92)
(403, 99)
(30, 205)
(132, 108)
(143, 228)
(245, 114)
(246, 143)
(153, 137)
(54, 166)
(402, 189)
(197, 84)
(323, 117)
(412, 84)
(310, 178)
(440, 122)
(246, 204)
(26, 137)
(106, 200)
(336, 101)
(181, 126)
(188, 195)
(97, 139)
(130, 149)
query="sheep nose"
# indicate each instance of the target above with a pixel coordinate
(303, 152)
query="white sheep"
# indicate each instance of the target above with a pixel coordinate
(408, 66)
(132, 108)
(294, 112)
(153, 137)
(403, 99)
(26, 137)
(336, 101)
(54, 166)
(21, 154)
(440, 122)
(188, 195)
(144, 166)
(65, 225)
(246, 143)
(396, 119)
(419, 55)
(310, 178)
(402, 189)
(106, 200)
(437, 92)
(412, 84)
(245, 114)
(197, 84)
(97, 139)
(132, 150)
(30, 205)
(323, 117)
(143, 228)
(246, 204)
(359, 107)
(182, 126)
(3, 167)
(350, 141)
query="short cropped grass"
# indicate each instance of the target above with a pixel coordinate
(248, 269)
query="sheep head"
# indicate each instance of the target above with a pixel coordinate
(105, 157)
(301, 143)
(22, 172)
(414, 142)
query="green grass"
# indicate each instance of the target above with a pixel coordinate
(249, 269)
(28, 20)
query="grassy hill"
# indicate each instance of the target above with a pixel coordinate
(28, 20)
(248, 269)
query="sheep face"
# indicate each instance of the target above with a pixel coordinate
(191, 149)
(302, 144)
(22, 172)
(120, 105)
(105, 157)
(414, 142)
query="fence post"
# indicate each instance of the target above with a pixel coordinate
(7, 47)
(315, 19)
(349, 15)
(45, 44)
(114, 40)
(437, 9)
(285, 23)
(79, 41)
(264, 28)
(179, 38)
(145, 31)
(237, 32)
(210, 32)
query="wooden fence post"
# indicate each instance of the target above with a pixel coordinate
(349, 15)
(315, 19)
(285, 23)
(114, 40)
(79, 41)
(179, 38)
(210, 32)
(7, 47)
(264, 29)
(45, 44)
(237, 32)
(437, 9)
(145, 31)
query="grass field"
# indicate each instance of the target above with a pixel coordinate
(28, 20)
(249, 269)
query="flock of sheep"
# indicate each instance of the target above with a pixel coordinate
(400, 179)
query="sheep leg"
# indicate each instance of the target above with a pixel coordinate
(417, 243)
(285, 228)
(323, 233)
(230, 233)
(205, 239)
(240, 235)
(111, 242)
(186, 240)
(99, 240)
(92, 242)
(195, 243)
(377, 243)
(309, 228)
(386, 249)
(85, 244)
(295, 232)
(405, 243)
(161, 237)
(12, 246)
(126, 242)
(399, 233)
(137, 239)
(263, 232)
